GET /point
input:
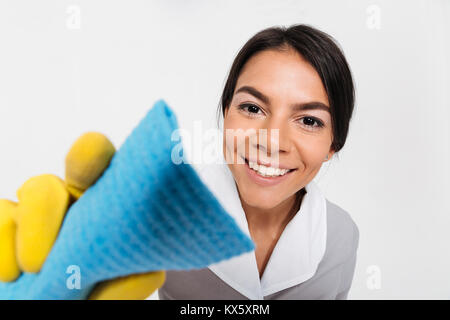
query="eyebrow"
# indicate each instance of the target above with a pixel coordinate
(313, 105)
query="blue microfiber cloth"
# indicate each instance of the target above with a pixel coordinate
(145, 213)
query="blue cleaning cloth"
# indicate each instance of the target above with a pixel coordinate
(145, 213)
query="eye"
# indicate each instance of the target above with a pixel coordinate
(311, 122)
(250, 109)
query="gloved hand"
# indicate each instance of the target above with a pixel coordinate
(29, 228)
(148, 211)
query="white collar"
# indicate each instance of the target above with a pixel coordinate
(297, 253)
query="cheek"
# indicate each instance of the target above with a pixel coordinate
(312, 151)
(234, 120)
(238, 129)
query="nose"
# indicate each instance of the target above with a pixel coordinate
(274, 137)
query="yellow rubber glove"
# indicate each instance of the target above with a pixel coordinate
(29, 228)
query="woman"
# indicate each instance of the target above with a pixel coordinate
(294, 82)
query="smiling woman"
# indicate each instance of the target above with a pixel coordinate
(294, 82)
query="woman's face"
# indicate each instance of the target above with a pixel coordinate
(276, 90)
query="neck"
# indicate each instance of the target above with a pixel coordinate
(274, 218)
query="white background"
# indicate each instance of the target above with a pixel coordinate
(64, 73)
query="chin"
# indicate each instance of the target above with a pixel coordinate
(261, 201)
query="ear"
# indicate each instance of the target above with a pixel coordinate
(329, 155)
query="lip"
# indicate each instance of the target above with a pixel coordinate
(264, 181)
(268, 164)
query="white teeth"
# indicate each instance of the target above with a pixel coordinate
(253, 165)
(267, 171)
(263, 169)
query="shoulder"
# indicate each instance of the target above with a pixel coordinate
(342, 231)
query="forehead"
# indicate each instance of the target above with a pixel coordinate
(283, 75)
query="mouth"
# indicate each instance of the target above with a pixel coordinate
(265, 175)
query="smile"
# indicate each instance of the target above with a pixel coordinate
(267, 171)
(266, 175)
